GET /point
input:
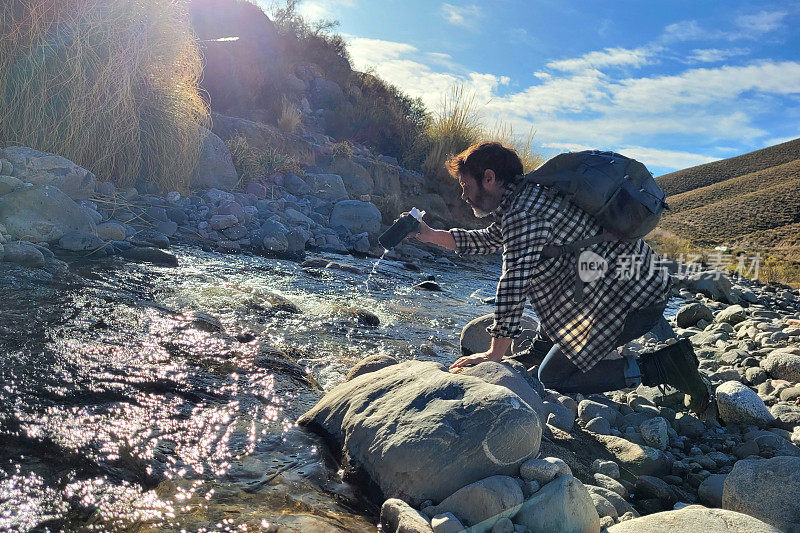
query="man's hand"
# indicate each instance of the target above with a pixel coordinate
(474, 359)
(496, 351)
(425, 233)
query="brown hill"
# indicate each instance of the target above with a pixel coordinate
(703, 175)
(750, 202)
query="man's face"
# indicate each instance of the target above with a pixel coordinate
(476, 196)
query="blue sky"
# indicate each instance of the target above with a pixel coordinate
(673, 84)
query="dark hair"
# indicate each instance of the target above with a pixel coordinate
(474, 161)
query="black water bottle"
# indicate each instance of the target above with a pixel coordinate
(400, 229)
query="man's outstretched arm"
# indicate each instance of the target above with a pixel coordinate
(479, 241)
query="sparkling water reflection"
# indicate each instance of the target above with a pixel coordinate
(137, 397)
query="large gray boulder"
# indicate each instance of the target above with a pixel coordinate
(215, 165)
(356, 216)
(419, 432)
(475, 338)
(738, 404)
(326, 186)
(325, 93)
(42, 168)
(562, 506)
(356, 178)
(694, 519)
(42, 214)
(504, 375)
(783, 363)
(767, 489)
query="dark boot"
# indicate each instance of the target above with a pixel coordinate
(676, 365)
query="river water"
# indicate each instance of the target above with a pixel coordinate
(125, 407)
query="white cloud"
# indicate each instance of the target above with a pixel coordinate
(746, 27)
(465, 16)
(580, 103)
(366, 52)
(567, 147)
(323, 9)
(406, 67)
(685, 30)
(651, 157)
(654, 157)
(763, 22)
(704, 86)
(714, 55)
(610, 57)
(574, 93)
(780, 140)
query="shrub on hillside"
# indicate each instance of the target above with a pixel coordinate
(253, 164)
(457, 125)
(378, 115)
(111, 85)
(312, 42)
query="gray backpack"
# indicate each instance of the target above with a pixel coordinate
(619, 192)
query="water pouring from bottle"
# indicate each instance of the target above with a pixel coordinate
(402, 227)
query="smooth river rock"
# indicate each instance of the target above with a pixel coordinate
(481, 500)
(42, 214)
(694, 519)
(738, 404)
(767, 489)
(783, 363)
(562, 506)
(418, 432)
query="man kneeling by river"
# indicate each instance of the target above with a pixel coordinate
(614, 309)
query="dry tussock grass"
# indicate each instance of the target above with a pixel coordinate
(289, 119)
(458, 124)
(111, 85)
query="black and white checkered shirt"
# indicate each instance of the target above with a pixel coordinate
(530, 216)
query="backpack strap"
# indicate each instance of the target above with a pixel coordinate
(575, 247)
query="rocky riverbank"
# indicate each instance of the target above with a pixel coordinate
(50, 206)
(489, 449)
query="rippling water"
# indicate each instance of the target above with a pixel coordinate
(124, 407)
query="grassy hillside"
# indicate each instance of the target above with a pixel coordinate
(735, 215)
(749, 203)
(703, 175)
